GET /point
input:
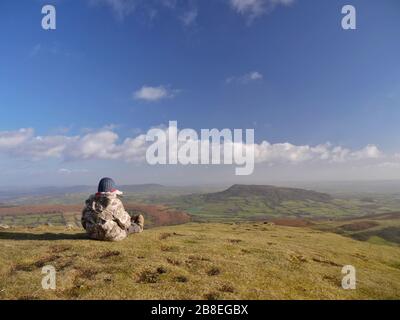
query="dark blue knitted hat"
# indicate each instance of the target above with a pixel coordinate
(107, 185)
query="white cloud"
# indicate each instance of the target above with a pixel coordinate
(184, 10)
(255, 76)
(246, 78)
(66, 171)
(152, 94)
(9, 139)
(123, 8)
(255, 8)
(287, 152)
(96, 145)
(106, 145)
(120, 8)
(93, 145)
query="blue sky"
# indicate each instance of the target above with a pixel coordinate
(285, 68)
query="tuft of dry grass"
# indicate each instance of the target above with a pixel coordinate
(174, 261)
(214, 271)
(148, 276)
(212, 296)
(227, 288)
(165, 235)
(162, 270)
(110, 254)
(181, 279)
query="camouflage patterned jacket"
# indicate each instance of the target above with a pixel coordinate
(104, 218)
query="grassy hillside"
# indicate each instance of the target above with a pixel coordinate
(196, 261)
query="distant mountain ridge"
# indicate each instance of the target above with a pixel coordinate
(244, 202)
(271, 194)
(14, 193)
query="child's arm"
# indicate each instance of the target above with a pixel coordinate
(122, 217)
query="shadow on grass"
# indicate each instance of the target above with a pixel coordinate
(42, 236)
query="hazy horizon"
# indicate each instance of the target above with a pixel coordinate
(377, 184)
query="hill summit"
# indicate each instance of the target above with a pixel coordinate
(271, 194)
(244, 202)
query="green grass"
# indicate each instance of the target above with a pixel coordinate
(196, 261)
(378, 240)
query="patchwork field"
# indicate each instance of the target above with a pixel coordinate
(378, 228)
(70, 215)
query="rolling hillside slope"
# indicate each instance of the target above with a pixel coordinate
(196, 261)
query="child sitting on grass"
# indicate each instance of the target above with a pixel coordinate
(104, 216)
